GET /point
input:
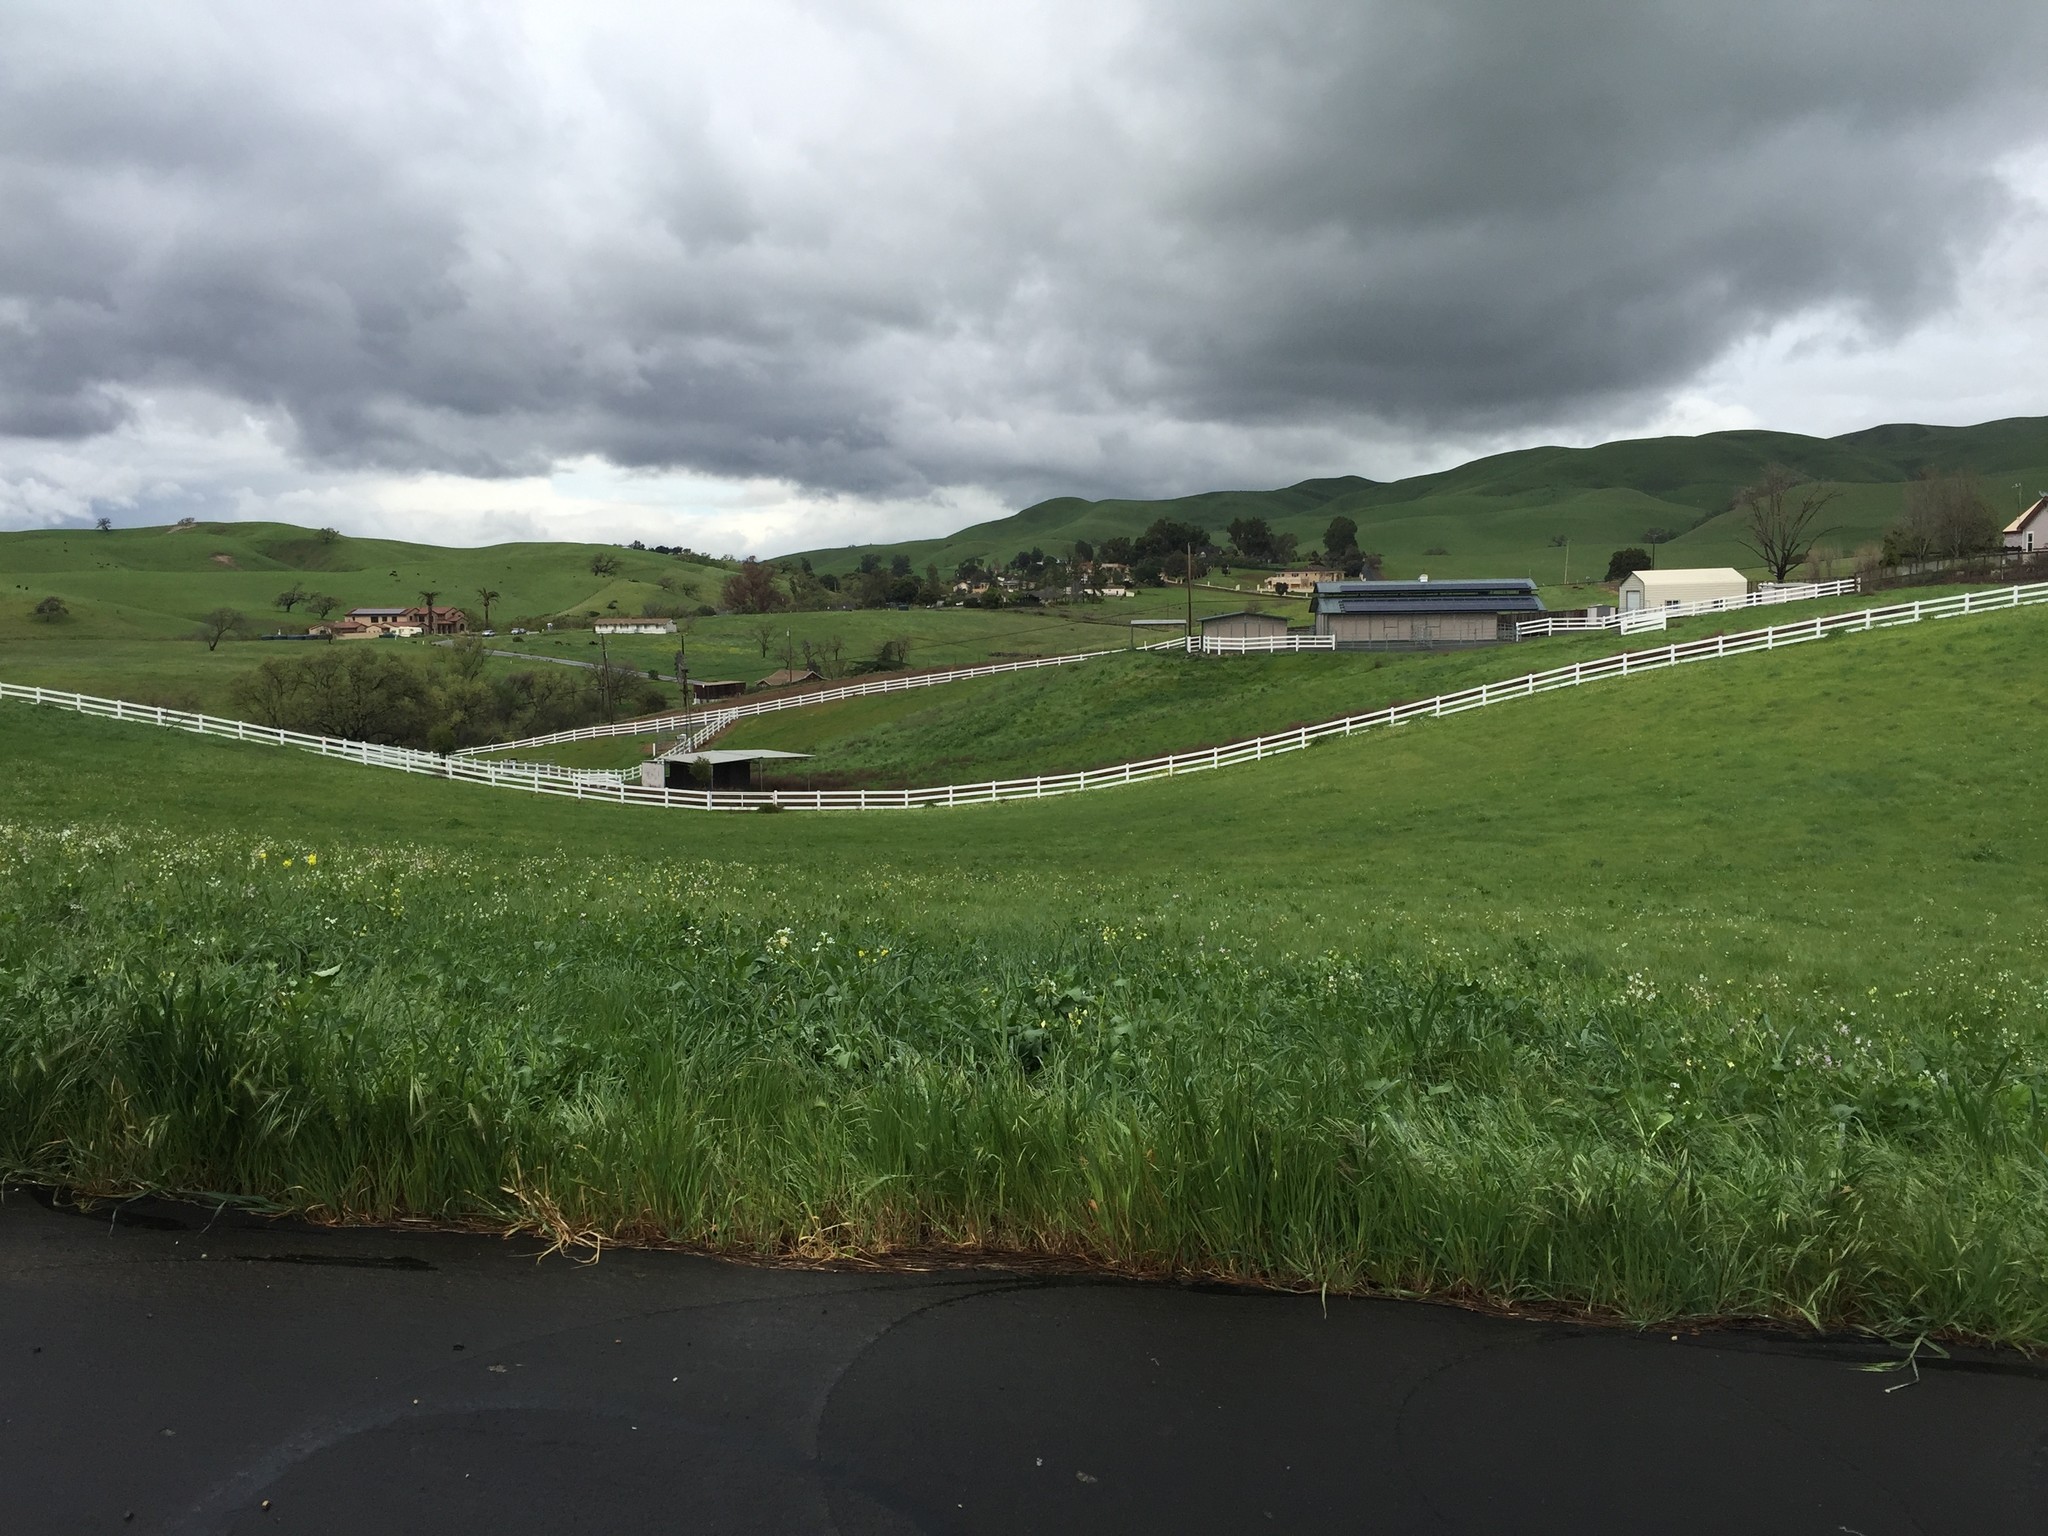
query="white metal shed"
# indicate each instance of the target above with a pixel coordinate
(1660, 589)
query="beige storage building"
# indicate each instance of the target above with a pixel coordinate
(1244, 625)
(1423, 614)
(1661, 589)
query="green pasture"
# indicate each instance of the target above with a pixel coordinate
(1148, 705)
(1720, 991)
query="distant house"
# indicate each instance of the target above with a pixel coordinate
(1243, 625)
(2029, 531)
(412, 621)
(789, 677)
(1664, 589)
(635, 626)
(1421, 615)
(1283, 583)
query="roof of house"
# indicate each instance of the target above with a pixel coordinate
(782, 676)
(1514, 595)
(2019, 524)
(1685, 577)
(750, 755)
(379, 613)
(1243, 613)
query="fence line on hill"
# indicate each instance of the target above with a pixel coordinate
(703, 724)
(1636, 620)
(570, 784)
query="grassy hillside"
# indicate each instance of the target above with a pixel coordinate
(134, 597)
(1143, 705)
(1498, 515)
(1718, 991)
(159, 580)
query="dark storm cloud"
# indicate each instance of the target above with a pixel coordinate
(871, 256)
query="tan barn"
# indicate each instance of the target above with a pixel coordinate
(1662, 589)
(1425, 614)
(1244, 625)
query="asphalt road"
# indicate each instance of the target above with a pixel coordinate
(162, 1374)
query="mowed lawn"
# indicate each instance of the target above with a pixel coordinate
(1718, 991)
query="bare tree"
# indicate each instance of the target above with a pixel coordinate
(329, 535)
(322, 604)
(604, 565)
(763, 636)
(219, 623)
(1779, 526)
(1946, 517)
(290, 599)
(487, 597)
(104, 524)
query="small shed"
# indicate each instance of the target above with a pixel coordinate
(1666, 589)
(2029, 531)
(732, 769)
(1243, 625)
(727, 688)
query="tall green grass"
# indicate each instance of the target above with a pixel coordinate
(681, 1053)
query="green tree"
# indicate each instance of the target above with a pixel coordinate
(1624, 562)
(51, 609)
(752, 589)
(291, 597)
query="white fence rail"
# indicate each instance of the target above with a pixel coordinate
(595, 787)
(1259, 645)
(1639, 620)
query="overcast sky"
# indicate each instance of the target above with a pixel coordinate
(763, 276)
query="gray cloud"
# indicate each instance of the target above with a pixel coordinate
(873, 252)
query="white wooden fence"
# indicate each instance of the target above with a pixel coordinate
(1639, 620)
(700, 725)
(534, 778)
(1259, 645)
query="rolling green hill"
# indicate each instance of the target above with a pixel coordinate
(1498, 515)
(158, 581)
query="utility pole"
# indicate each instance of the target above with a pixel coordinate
(1567, 562)
(604, 676)
(1188, 576)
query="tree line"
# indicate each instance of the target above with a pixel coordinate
(438, 702)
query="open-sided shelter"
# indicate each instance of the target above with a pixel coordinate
(732, 769)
